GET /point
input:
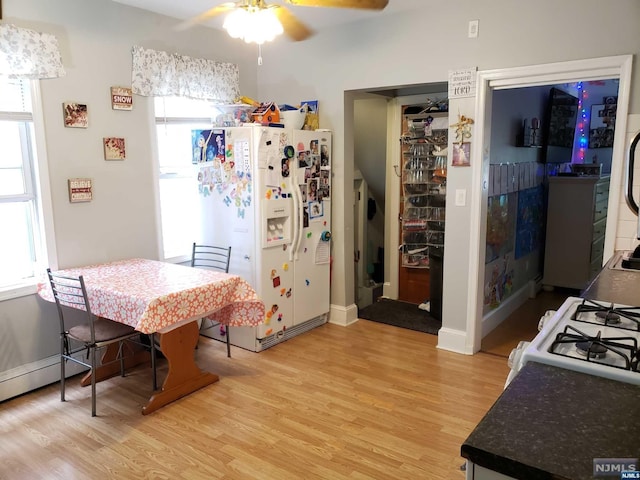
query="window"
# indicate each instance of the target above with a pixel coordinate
(23, 252)
(180, 217)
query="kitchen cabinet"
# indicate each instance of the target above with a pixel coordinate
(576, 220)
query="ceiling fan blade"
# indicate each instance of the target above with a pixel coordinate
(294, 28)
(363, 4)
(212, 12)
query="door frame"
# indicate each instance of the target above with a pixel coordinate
(529, 76)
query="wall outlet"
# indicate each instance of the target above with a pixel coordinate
(473, 28)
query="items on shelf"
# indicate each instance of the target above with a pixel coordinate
(531, 135)
(424, 179)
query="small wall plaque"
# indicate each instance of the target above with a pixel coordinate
(76, 115)
(80, 190)
(114, 148)
(121, 98)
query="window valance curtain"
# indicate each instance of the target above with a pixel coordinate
(26, 53)
(157, 73)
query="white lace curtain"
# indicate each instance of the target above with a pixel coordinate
(26, 53)
(157, 73)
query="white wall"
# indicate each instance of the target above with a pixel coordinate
(370, 143)
(95, 39)
(420, 47)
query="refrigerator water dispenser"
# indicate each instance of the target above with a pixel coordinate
(276, 224)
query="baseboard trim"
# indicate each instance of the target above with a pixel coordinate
(343, 316)
(453, 341)
(34, 375)
(494, 318)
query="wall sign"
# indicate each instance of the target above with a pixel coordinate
(462, 83)
(121, 98)
(80, 190)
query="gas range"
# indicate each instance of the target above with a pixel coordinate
(593, 337)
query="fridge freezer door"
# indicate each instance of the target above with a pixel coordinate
(274, 271)
(312, 268)
(313, 253)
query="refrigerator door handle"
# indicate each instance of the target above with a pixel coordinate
(631, 154)
(296, 218)
(299, 220)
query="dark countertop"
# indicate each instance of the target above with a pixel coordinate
(617, 286)
(550, 423)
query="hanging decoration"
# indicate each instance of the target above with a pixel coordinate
(461, 149)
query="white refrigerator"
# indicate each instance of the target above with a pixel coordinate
(266, 192)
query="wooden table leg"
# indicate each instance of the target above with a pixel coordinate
(136, 356)
(184, 376)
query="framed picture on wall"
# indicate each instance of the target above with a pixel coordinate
(76, 115)
(461, 154)
(114, 148)
(602, 125)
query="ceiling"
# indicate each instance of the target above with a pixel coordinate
(317, 19)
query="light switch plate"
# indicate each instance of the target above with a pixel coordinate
(461, 197)
(473, 28)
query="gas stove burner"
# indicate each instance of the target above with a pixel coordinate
(618, 352)
(609, 317)
(591, 348)
(600, 313)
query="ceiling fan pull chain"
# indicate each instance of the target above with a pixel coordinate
(259, 54)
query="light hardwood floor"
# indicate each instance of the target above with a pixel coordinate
(522, 324)
(368, 401)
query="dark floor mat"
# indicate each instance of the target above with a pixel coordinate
(401, 314)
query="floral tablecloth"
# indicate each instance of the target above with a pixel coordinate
(152, 296)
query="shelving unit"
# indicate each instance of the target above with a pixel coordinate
(424, 178)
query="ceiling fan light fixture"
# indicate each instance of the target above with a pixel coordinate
(253, 24)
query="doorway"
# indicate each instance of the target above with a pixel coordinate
(518, 260)
(491, 81)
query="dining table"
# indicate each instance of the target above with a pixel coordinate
(165, 300)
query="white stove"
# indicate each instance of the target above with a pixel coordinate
(593, 337)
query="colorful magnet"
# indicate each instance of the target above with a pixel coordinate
(282, 291)
(269, 314)
(285, 167)
(274, 308)
(305, 249)
(276, 282)
(269, 332)
(309, 234)
(280, 317)
(267, 321)
(288, 293)
(274, 274)
(289, 151)
(307, 282)
(285, 266)
(325, 236)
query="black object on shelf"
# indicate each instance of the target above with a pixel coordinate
(436, 256)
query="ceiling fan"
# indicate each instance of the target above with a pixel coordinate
(258, 12)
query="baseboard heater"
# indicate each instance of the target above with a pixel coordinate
(34, 375)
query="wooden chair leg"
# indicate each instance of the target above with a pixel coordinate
(228, 342)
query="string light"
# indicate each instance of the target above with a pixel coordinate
(583, 141)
